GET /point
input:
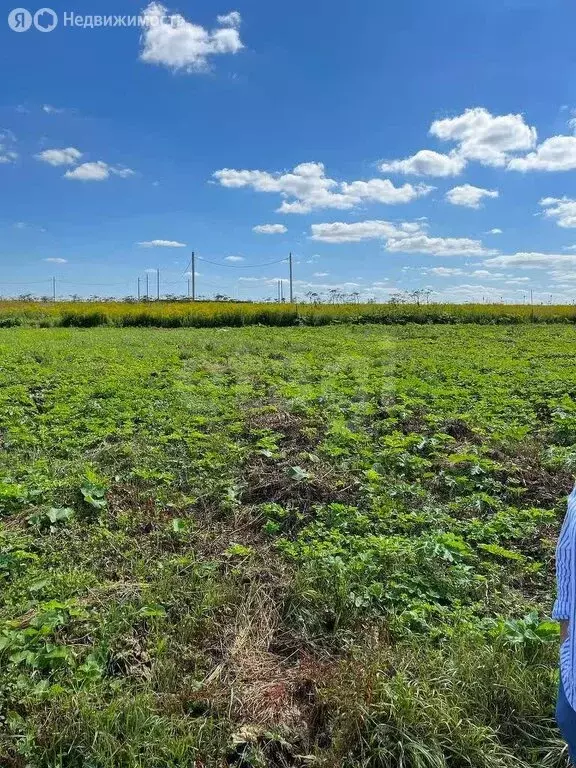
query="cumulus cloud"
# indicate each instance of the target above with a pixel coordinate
(383, 191)
(469, 196)
(342, 232)
(486, 138)
(427, 163)
(50, 110)
(307, 188)
(172, 41)
(270, 229)
(232, 19)
(533, 260)
(494, 231)
(161, 244)
(478, 135)
(557, 153)
(8, 153)
(97, 171)
(124, 173)
(404, 237)
(562, 209)
(234, 258)
(68, 156)
(57, 261)
(438, 246)
(445, 271)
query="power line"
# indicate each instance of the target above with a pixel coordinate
(100, 285)
(241, 266)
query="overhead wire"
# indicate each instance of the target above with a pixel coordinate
(241, 266)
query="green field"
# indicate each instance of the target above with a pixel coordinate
(282, 546)
(218, 314)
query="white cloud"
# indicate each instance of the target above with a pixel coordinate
(50, 110)
(533, 261)
(438, 246)
(562, 209)
(484, 137)
(469, 196)
(68, 156)
(445, 271)
(57, 261)
(124, 173)
(383, 191)
(320, 274)
(161, 244)
(307, 188)
(494, 231)
(427, 163)
(234, 258)
(97, 171)
(557, 153)
(24, 225)
(404, 237)
(342, 232)
(232, 19)
(172, 41)
(270, 229)
(7, 151)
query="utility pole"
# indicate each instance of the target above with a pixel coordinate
(138, 289)
(147, 286)
(291, 281)
(54, 288)
(193, 276)
(158, 284)
(282, 291)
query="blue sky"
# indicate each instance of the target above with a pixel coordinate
(384, 144)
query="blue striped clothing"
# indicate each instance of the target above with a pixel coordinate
(565, 605)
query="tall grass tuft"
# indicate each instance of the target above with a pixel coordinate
(165, 314)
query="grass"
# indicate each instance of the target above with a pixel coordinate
(206, 314)
(282, 546)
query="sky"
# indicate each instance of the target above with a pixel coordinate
(390, 146)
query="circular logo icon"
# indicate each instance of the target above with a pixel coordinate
(20, 20)
(45, 20)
